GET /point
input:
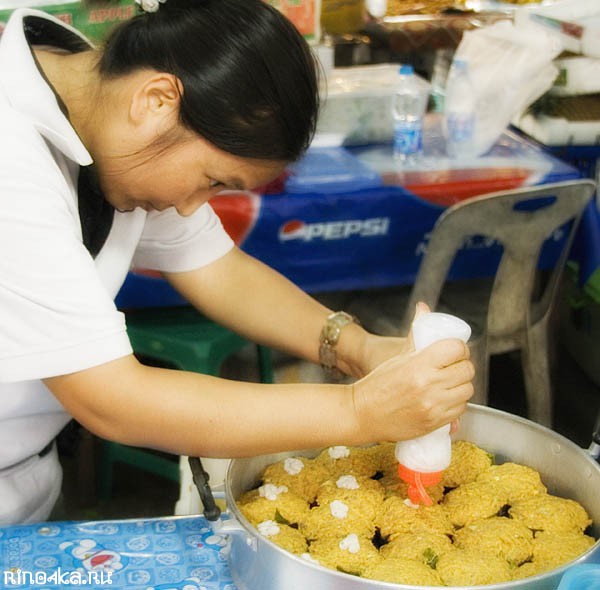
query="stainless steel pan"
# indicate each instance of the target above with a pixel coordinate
(567, 470)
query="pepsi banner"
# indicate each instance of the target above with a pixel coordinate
(346, 219)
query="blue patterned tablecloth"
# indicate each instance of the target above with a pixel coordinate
(178, 553)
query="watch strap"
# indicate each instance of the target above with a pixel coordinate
(330, 335)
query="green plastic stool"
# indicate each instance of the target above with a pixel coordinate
(182, 338)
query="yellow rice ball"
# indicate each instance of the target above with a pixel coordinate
(336, 519)
(351, 554)
(382, 455)
(259, 505)
(546, 512)
(342, 460)
(283, 535)
(517, 481)
(363, 492)
(403, 571)
(300, 475)
(424, 547)
(473, 501)
(467, 463)
(472, 568)
(398, 517)
(528, 569)
(554, 549)
(498, 536)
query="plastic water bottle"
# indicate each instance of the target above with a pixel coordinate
(460, 111)
(422, 460)
(408, 111)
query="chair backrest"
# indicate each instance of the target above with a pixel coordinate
(504, 216)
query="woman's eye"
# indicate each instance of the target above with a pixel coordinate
(214, 183)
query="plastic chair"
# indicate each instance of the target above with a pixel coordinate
(181, 338)
(515, 315)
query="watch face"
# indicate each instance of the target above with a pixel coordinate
(329, 338)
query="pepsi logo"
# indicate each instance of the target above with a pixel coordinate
(334, 230)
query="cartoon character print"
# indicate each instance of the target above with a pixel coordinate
(93, 557)
(187, 584)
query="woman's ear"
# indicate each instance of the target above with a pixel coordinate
(158, 96)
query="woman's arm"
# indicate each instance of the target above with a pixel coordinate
(192, 414)
(399, 394)
(255, 301)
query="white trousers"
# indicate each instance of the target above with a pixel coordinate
(29, 489)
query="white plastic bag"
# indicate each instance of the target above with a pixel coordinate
(510, 68)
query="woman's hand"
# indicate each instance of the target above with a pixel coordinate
(375, 350)
(413, 394)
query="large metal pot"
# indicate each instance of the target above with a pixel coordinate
(567, 470)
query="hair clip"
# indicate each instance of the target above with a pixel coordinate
(150, 5)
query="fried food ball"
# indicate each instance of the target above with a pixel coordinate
(424, 547)
(383, 455)
(363, 492)
(552, 549)
(347, 499)
(300, 475)
(518, 481)
(498, 536)
(271, 502)
(341, 460)
(467, 463)
(400, 570)
(473, 501)
(463, 567)
(546, 512)
(398, 517)
(336, 519)
(351, 554)
(283, 535)
(528, 569)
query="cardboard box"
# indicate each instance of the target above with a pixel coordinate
(305, 14)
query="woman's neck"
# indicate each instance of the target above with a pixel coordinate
(74, 78)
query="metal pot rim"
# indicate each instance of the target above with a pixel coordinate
(472, 408)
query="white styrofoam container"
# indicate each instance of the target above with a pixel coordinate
(357, 104)
(577, 75)
(558, 131)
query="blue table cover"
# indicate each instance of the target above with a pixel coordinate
(176, 553)
(169, 553)
(345, 219)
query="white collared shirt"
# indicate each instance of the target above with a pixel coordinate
(57, 314)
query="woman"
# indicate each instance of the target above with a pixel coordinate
(108, 159)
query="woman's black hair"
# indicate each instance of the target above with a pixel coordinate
(249, 78)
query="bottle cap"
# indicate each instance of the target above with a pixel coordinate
(406, 70)
(417, 482)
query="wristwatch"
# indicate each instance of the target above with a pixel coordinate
(330, 334)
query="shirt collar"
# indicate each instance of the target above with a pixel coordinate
(26, 89)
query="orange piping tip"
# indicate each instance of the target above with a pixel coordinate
(417, 481)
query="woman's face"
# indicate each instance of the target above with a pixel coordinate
(184, 174)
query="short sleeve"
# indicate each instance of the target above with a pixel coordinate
(174, 243)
